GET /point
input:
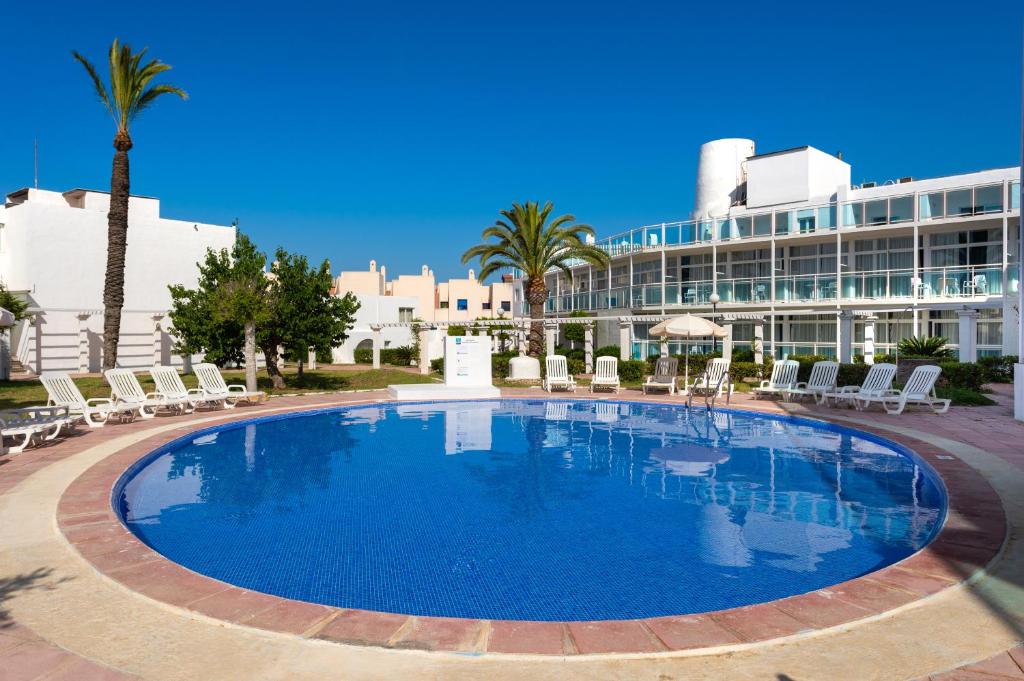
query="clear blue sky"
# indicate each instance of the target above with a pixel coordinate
(396, 131)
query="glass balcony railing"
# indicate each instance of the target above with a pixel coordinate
(964, 202)
(751, 290)
(808, 287)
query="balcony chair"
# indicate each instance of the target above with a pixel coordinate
(976, 285)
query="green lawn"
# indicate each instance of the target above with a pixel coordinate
(26, 393)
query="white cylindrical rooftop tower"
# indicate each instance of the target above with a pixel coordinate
(720, 175)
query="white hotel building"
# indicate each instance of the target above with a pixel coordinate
(782, 247)
(53, 254)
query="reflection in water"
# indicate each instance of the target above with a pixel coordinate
(525, 509)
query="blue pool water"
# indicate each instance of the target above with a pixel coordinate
(531, 509)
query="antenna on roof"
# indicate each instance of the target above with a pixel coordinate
(35, 159)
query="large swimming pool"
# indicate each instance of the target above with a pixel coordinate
(531, 509)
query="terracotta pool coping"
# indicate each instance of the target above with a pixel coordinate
(971, 537)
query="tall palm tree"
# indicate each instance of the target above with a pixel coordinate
(526, 241)
(130, 93)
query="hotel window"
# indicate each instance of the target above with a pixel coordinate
(444, 304)
(853, 214)
(901, 209)
(876, 212)
(506, 306)
(1015, 196)
(988, 199)
(932, 205)
(647, 272)
(763, 224)
(976, 247)
(620, 276)
(485, 306)
(405, 315)
(462, 304)
(695, 267)
(827, 217)
(805, 220)
(958, 202)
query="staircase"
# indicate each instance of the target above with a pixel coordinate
(17, 368)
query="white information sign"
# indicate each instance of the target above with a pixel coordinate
(467, 361)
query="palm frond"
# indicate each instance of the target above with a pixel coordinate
(101, 91)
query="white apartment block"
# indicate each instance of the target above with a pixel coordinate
(783, 248)
(53, 253)
(385, 306)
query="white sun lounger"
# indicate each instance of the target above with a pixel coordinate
(127, 392)
(878, 382)
(557, 374)
(666, 373)
(919, 389)
(822, 380)
(783, 378)
(29, 424)
(63, 392)
(169, 384)
(213, 385)
(606, 374)
(711, 379)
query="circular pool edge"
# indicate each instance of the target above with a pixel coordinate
(121, 556)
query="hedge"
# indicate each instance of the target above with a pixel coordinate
(632, 370)
(998, 369)
(499, 364)
(964, 375)
(607, 351)
(401, 356)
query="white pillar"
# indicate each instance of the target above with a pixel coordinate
(727, 341)
(424, 359)
(588, 347)
(311, 360)
(83, 342)
(869, 339)
(158, 340)
(625, 340)
(759, 341)
(523, 337)
(5, 353)
(376, 345)
(845, 337)
(37, 341)
(968, 335)
(550, 337)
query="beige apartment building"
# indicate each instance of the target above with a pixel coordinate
(385, 303)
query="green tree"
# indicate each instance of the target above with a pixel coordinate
(306, 315)
(576, 333)
(221, 316)
(131, 92)
(925, 346)
(526, 241)
(13, 304)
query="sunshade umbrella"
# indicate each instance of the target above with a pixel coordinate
(688, 326)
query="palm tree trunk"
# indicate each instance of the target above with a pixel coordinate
(536, 295)
(117, 246)
(250, 356)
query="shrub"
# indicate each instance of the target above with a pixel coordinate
(964, 398)
(631, 370)
(607, 351)
(456, 330)
(363, 356)
(572, 353)
(742, 355)
(401, 356)
(499, 365)
(437, 365)
(965, 375)
(925, 347)
(741, 370)
(806, 364)
(850, 374)
(998, 369)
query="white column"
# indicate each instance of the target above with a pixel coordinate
(376, 344)
(968, 335)
(5, 353)
(158, 340)
(424, 358)
(523, 337)
(759, 341)
(311, 360)
(727, 341)
(663, 348)
(869, 339)
(845, 339)
(37, 339)
(83, 342)
(625, 340)
(550, 337)
(588, 347)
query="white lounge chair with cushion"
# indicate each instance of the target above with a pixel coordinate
(878, 382)
(666, 373)
(127, 392)
(711, 379)
(31, 424)
(557, 374)
(606, 374)
(783, 378)
(213, 385)
(63, 392)
(822, 380)
(169, 384)
(919, 389)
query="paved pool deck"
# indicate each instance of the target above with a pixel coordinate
(80, 598)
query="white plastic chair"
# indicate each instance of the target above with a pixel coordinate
(877, 382)
(822, 380)
(919, 389)
(666, 371)
(783, 378)
(127, 392)
(712, 376)
(63, 392)
(606, 374)
(29, 424)
(557, 374)
(169, 384)
(213, 385)
(978, 284)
